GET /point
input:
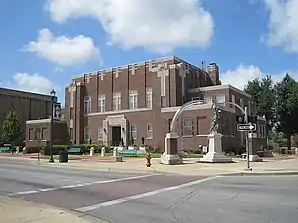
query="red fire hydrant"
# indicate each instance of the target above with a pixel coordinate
(148, 159)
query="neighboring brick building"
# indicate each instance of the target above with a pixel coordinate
(60, 132)
(139, 100)
(28, 106)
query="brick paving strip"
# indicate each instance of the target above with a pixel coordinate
(93, 196)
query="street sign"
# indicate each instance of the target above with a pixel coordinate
(56, 111)
(246, 127)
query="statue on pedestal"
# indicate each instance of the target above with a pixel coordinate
(215, 152)
(215, 120)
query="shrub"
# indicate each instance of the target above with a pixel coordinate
(31, 150)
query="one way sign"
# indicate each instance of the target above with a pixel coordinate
(246, 127)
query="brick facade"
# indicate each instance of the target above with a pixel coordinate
(28, 106)
(60, 133)
(138, 100)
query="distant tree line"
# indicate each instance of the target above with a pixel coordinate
(278, 102)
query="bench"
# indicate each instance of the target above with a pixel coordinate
(5, 149)
(75, 150)
(128, 152)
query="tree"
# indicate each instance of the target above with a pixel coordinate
(287, 107)
(11, 128)
(263, 99)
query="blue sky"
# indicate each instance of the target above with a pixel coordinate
(44, 43)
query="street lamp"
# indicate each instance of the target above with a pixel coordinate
(53, 95)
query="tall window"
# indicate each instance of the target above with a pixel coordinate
(233, 100)
(87, 104)
(100, 134)
(71, 96)
(221, 99)
(71, 115)
(71, 133)
(133, 99)
(43, 133)
(86, 134)
(101, 103)
(202, 122)
(187, 127)
(149, 97)
(149, 131)
(133, 132)
(207, 99)
(116, 101)
(241, 102)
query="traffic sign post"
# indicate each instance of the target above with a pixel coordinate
(247, 127)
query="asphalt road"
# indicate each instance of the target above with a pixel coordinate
(119, 197)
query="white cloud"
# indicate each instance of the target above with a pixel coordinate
(283, 24)
(159, 26)
(63, 50)
(240, 76)
(32, 83)
(58, 70)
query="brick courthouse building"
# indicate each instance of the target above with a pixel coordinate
(139, 100)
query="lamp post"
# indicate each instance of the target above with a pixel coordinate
(53, 95)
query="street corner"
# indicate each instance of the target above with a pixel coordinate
(16, 210)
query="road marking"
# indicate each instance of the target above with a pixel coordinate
(41, 176)
(80, 185)
(139, 196)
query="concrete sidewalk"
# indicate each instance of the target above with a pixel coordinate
(20, 211)
(278, 165)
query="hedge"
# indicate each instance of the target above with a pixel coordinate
(56, 148)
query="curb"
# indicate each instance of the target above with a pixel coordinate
(151, 170)
(106, 169)
(276, 173)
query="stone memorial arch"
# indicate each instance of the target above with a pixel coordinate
(171, 156)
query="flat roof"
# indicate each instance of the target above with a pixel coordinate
(123, 66)
(24, 94)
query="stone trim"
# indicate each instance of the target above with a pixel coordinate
(158, 60)
(40, 121)
(219, 87)
(197, 107)
(118, 112)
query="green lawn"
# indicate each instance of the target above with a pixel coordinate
(55, 157)
(153, 155)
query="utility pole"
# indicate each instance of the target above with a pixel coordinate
(246, 139)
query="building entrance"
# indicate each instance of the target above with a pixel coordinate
(116, 135)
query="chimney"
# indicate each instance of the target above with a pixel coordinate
(213, 72)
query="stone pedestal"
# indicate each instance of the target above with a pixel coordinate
(91, 151)
(115, 152)
(170, 156)
(103, 151)
(215, 154)
(255, 158)
(132, 148)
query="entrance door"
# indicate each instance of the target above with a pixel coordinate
(116, 135)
